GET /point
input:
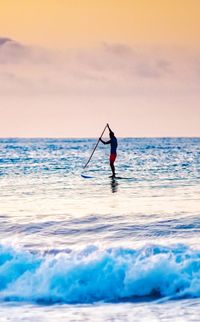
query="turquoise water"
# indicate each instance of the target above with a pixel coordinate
(98, 249)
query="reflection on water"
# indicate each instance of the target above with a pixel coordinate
(114, 185)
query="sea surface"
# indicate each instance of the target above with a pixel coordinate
(96, 248)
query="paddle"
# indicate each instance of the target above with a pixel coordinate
(95, 147)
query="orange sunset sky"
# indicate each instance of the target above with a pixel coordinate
(67, 67)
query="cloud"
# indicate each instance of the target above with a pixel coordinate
(145, 91)
(109, 69)
(12, 51)
(123, 61)
(4, 40)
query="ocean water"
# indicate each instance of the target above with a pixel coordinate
(98, 249)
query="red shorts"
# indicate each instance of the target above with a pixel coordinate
(113, 157)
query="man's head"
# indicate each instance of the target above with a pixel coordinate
(112, 134)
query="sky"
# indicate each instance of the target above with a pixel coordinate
(68, 67)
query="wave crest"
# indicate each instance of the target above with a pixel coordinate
(91, 275)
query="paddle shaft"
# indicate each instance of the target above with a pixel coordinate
(95, 148)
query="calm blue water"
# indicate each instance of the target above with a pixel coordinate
(97, 249)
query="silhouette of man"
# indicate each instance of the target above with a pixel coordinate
(113, 149)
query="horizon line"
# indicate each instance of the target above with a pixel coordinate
(93, 137)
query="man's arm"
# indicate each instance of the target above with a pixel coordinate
(105, 142)
(109, 129)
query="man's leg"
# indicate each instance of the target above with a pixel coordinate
(112, 168)
(112, 160)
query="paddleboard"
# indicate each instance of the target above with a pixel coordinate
(121, 178)
(110, 177)
(86, 177)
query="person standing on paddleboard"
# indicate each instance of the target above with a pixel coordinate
(113, 149)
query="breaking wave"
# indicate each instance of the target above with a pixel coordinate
(93, 274)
